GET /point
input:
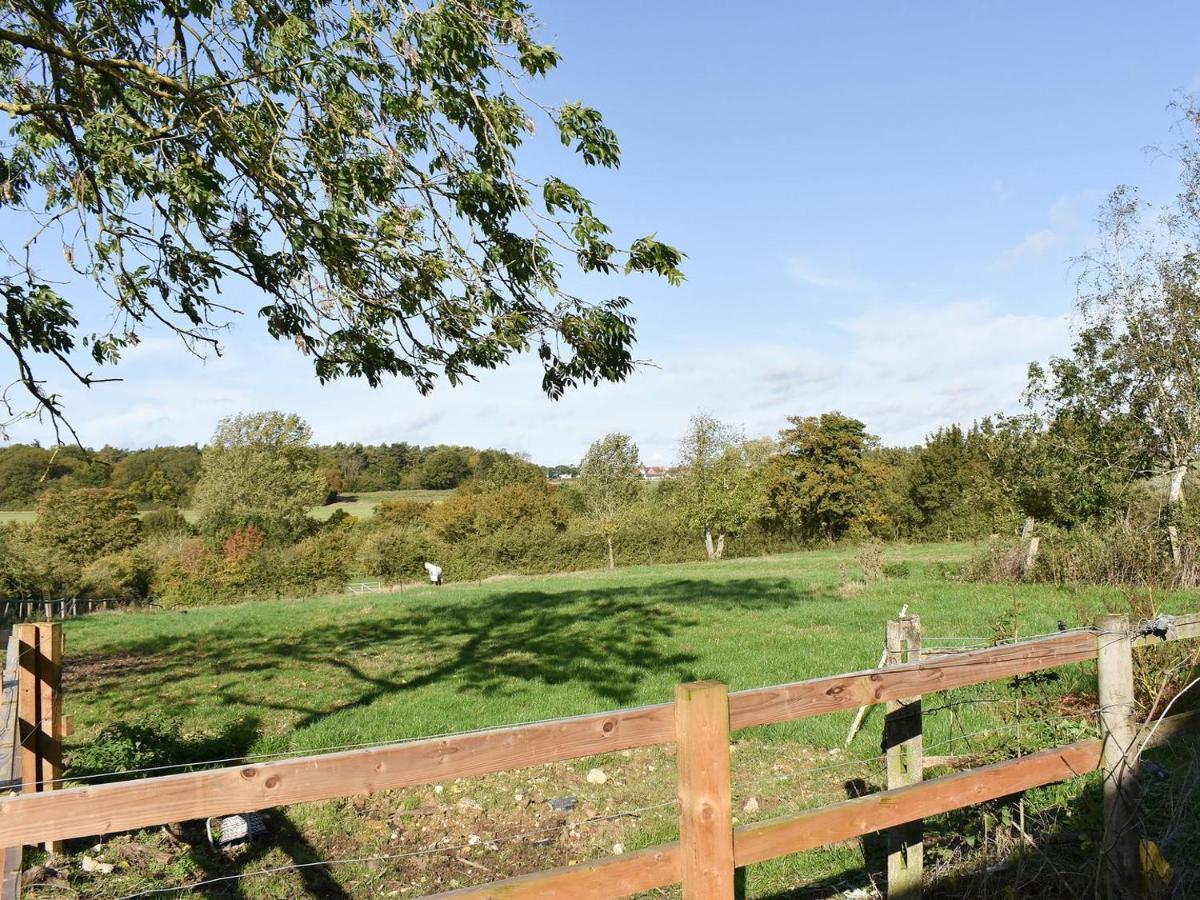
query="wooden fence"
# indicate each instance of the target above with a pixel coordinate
(24, 610)
(698, 722)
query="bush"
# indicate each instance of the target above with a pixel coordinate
(1118, 553)
(167, 520)
(402, 512)
(870, 560)
(897, 570)
(473, 513)
(318, 563)
(126, 576)
(85, 524)
(397, 552)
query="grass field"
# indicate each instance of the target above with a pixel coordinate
(336, 671)
(361, 504)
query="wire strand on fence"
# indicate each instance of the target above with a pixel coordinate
(380, 857)
(858, 760)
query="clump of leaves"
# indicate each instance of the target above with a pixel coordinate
(357, 165)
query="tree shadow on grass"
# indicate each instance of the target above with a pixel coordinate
(607, 639)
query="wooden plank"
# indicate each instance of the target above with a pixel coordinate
(617, 876)
(903, 746)
(29, 702)
(50, 638)
(787, 702)
(122, 806)
(10, 766)
(705, 815)
(863, 815)
(1120, 847)
(603, 879)
(10, 759)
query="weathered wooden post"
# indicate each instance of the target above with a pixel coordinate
(1120, 862)
(903, 744)
(705, 815)
(39, 708)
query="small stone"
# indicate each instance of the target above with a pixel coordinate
(596, 776)
(750, 805)
(437, 788)
(618, 849)
(95, 867)
(473, 839)
(467, 804)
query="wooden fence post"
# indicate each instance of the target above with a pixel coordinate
(904, 747)
(1120, 861)
(29, 702)
(39, 708)
(705, 815)
(50, 676)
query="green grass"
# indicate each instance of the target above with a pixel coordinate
(318, 673)
(361, 504)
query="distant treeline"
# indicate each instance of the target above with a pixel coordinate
(167, 476)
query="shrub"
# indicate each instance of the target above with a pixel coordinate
(85, 524)
(396, 552)
(167, 520)
(1119, 553)
(127, 576)
(402, 512)
(870, 560)
(897, 570)
(318, 563)
(472, 512)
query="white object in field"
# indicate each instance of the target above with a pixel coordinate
(235, 829)
(435, 572)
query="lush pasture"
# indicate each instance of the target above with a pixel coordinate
(318, 672)
(336, 671)
(361, 504)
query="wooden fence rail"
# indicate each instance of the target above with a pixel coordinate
(693, 721)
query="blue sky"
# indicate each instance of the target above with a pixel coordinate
(878, 201)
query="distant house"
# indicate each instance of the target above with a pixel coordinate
(654, 473)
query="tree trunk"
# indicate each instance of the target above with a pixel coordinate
(1174, 502)
(612, 563)
(720, 545)
(709, 552)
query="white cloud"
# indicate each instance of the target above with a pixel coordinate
(1064, 224)
(813, 274)
(904, 369)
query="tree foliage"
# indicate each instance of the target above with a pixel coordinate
(355, 164)
(85, 524)
(610, 479)
(259, 470)
(1132, 382)
(823, 483)
(718, 490)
